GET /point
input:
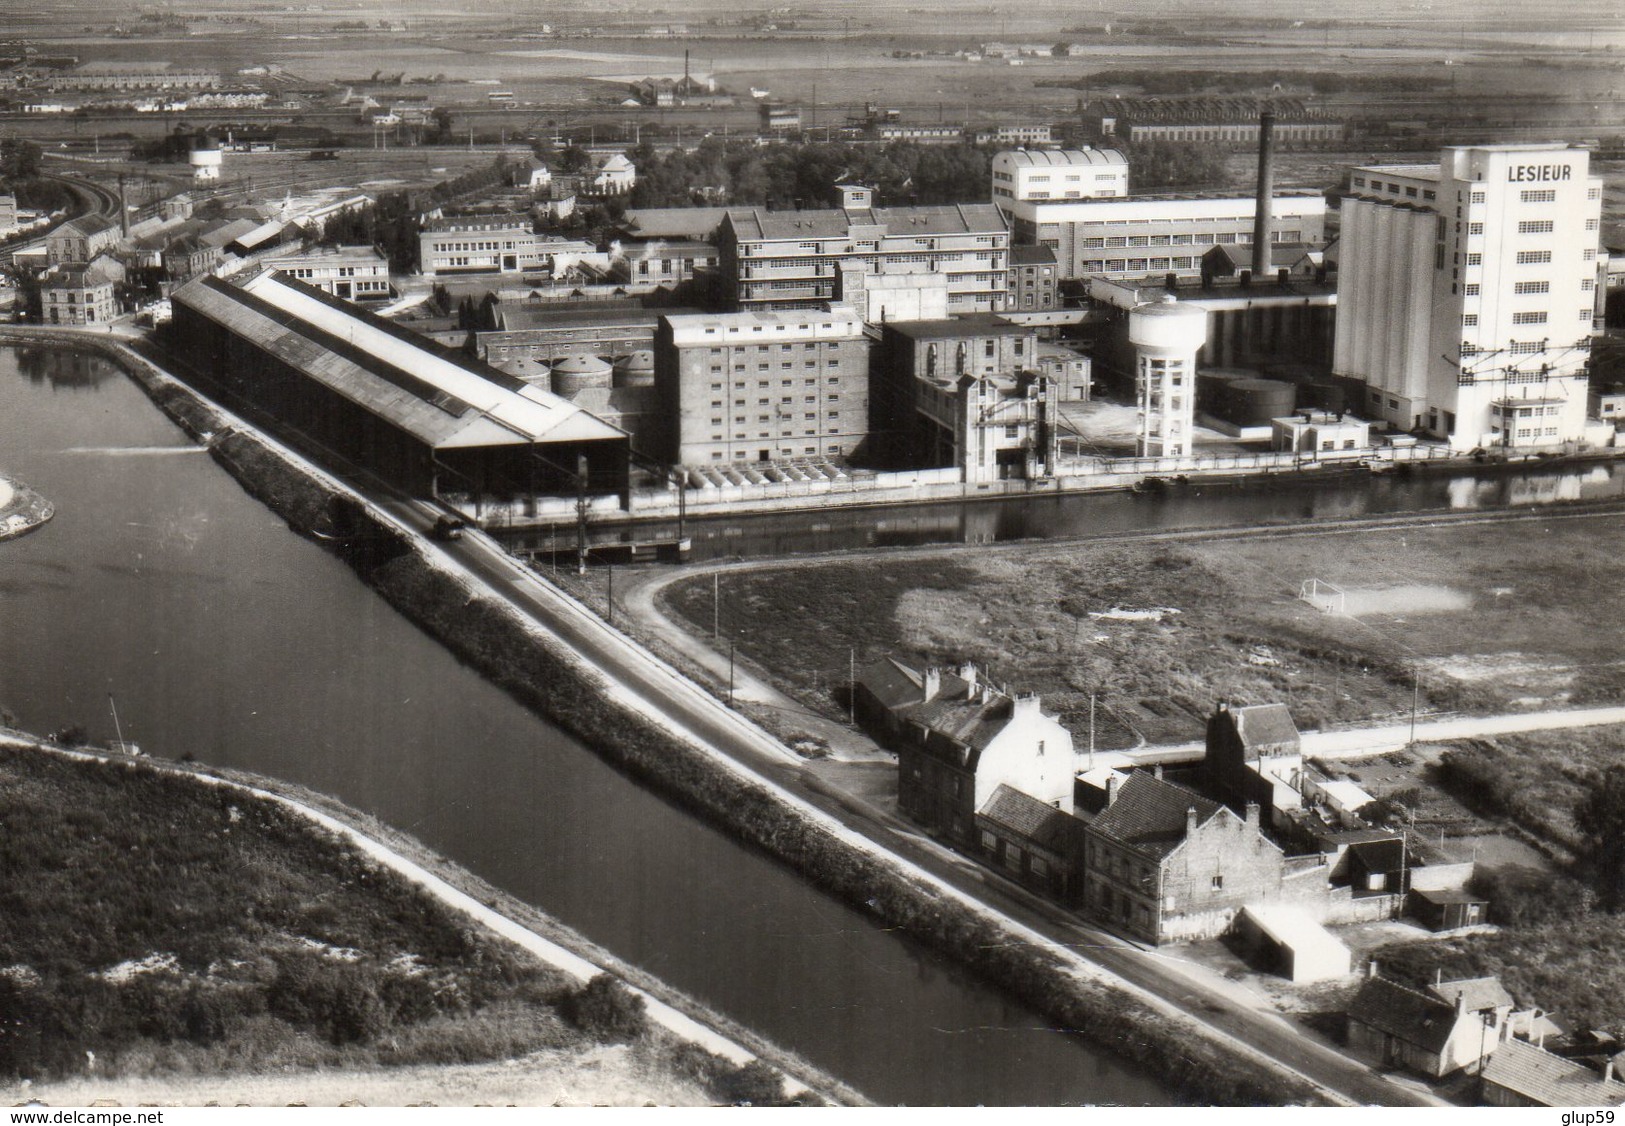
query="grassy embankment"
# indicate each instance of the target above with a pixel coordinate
(495, 639)
(1554, 948)
(1497, 616)
(153, 925)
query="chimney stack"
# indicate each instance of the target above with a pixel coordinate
(1263, 218)
(1112, 782)
(933, 684)
(1190, 821)
(1608, 1070)
(123, 210)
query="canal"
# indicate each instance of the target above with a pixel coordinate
(1238, 502)
(224, 635)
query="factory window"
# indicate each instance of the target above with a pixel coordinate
(1137, 264)
(1590, 255)
(1117, 240)
(1532, 287)
(1478, 197)
(1093, 243)
(1533, 257)
(716, 455)
(1594, 193)
(1535, 227)
(1475, 259)
(1359, 181)
(1588, 284)
(1411, 192)
(1591, 224)
(836, 450)
(1138, 240)
(1429, 195)
(1471, 289)
(1527, 347)
(1538, 318)
(1539, 195)
(1478, 228)
(1013, 430)
(1225, 239)
(1585, 315)
(1469, 319)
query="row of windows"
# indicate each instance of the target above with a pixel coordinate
(1139, 265)
(760, 348)
(739, 385)
(1539, 195)
(744, 455)
(1531, 227)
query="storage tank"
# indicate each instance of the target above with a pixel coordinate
(1211, 382)
(1323, 395)
(636, 370)
(1253, 402)
(206, 160)
(578, 373)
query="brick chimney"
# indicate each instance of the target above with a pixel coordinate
(967, 673)
(1025, 706)
(1250, 814)
(1190, 821)
(1113, 781)
(933, 684)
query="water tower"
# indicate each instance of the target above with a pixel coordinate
(1166, 337)
(205, 159)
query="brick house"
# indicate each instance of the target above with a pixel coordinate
(80, 293)
(1395, 1026)
(81, 239)
(1521, 1074)
(1164, 863)
(1035, 844)
(1254, 755)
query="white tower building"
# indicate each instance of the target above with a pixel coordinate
(1467, 292)
(1166, 337)
(206, 160)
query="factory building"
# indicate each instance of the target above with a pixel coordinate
(1467, 294)
(1034, 284)
(469, 244)
(1232, 121)
(763, 386)
(794, 259)
(973, 393)
(354, 273)
(1151, 236)
(423, 418)
(1069, 174)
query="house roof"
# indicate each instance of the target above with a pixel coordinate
(1026, 816)
(673, 222)
(1549, 1080)
(1413, 1017)
(892, 683)
(1149, 814)
(956, 219)
(1379, 856)
(1032, 256)
(1443, 896)
(952, 328)
(1265, 725)
(1477, 993)
(1051, 158)
(438, 397)
(972, 722)
(85, 225)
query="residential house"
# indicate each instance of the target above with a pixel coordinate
(1254, 755)
(1394, 1025)
(613, 174)
(1520, 1074)
(1162, 862)
(1034, 843)
(81, 239)
(1034, 279)
(81, 293)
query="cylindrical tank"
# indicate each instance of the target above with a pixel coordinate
(206, 161)
(577, 373)
(1253, 402)
(1322, 395)
(635, 370)
(1167, 327)
(1211, 382)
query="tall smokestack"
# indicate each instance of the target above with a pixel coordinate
(685, 69)
(1263, 218)
(123, 210)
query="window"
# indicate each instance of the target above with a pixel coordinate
(1527, 347)
(1534, 257)
(1478, 259)
(1469, 319)
(1478, 228)
(1591, 224)
(1539, 195)
(1470, 289)
(1585, 315)
(1218, 883)
(1478, 197)
(1532, 287)
(1529, 318)
(1594, 193)
(1535, 227)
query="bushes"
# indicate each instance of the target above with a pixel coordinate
(606, 1010)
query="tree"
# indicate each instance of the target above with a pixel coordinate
(19, 159)
(575, 159)
(606, 1009)
(1600, 817)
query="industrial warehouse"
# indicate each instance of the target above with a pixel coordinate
(422, 418)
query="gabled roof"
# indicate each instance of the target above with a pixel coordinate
(1387, 855)
(972, 723)
(1413, 1017)
(892, 683)
(85, 225)
(1477, 993)
(1026, 816)
(1549, 1080)
(1149, 814)
(1265, 726)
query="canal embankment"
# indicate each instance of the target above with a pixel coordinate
(494, 637)
(693, 1055)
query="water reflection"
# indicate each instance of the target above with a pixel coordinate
(64, 371)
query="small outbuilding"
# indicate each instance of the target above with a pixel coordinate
(1287, 941)
(1448, 909)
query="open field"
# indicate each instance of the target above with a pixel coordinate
(1496, 616)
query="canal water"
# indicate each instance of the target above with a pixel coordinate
(223, 634)
(1199, 504)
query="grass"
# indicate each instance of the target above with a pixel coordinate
(1536, 779)
(1241, 634)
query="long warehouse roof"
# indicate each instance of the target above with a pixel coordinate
(378, 366)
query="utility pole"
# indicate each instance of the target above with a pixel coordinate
(581, 514)
(610, 594)
(1416, 696)
(852, 686)
(730, 672)
(1091, 731)
(716, 605)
